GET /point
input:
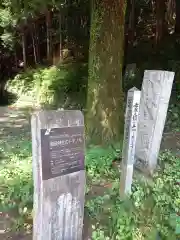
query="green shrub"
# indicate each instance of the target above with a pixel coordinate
(52, 86)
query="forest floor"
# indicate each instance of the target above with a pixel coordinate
(15, 124)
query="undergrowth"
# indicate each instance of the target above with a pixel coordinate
(150, 212)
(147, 213)
(52, 87)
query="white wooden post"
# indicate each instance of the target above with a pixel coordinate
(130, 133)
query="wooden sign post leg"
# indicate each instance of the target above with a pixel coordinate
(130, 133)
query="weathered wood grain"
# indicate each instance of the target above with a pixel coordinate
(58, 201)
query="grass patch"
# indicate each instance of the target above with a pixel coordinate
(16, 184)
(145, 214)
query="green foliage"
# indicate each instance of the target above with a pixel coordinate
(6, 18)
(172, 123)
(96, 158)
(14, 14)
(7, 39)
(16, 192)
(147, 213)
(53, 86)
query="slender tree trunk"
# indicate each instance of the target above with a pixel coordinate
(34, 43)
(171, 11)
(177, 26)
(2, 89)
(24, 49)
(67, 24)
(49, 36)
(131, 27)
(60, 36)
(161, 25)
(153, 4)
(104, 118)
(15, 59)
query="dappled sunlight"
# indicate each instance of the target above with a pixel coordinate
(51, 87)
(95, 100)
(103, 113)
(13, 122)
(105, 95)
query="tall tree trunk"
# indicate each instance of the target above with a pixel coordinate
(67, 24)
(60, 36)
(171, 11)
(67, 31)
(161, 25)
(49, 36)
(131, 27)
(24, 48)
(34, 43)
(15, 59)
(104, 118)
(177, 26)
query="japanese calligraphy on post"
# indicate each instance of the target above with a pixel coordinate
(155, 95)
(62, 151)
(130, 133)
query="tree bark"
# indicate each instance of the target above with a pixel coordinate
(161, 25)
(49, 36)
(15, 59)
(60, 36)
(131, 27)
(24, 49)
(34, 43)
(67, 27)
(171, 10)
(104, 117)
(177, 26)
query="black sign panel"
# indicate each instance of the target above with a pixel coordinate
(62, 151)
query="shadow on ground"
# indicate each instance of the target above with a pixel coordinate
(14, 123)
(171, 142)
(7, 98)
